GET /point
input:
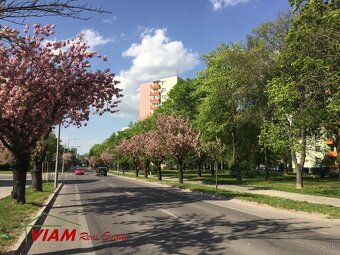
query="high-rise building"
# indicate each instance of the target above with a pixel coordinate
(153, 94)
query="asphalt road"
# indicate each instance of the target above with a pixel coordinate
(158, 220)
(6, 184)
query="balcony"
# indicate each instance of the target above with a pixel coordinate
(155, 86)
(155, 100)
(153, 107)
(155, 93)
(331, 154)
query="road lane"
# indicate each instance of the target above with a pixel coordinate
(160, 220)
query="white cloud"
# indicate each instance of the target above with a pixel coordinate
(94, 38)
(110, 20)
(219, 4)
(156, 56)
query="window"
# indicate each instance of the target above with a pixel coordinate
(318, 148)
(164, 97)
(163, 89)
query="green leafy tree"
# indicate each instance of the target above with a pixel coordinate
(303, 93)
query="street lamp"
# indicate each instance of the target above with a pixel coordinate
(68, 145)
(56, 161)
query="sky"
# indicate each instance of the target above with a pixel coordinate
(152, 39)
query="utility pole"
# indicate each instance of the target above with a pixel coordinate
(56, 160)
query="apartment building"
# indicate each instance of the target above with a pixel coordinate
(316, 150)
(153, 94)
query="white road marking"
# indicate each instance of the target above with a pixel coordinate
(175, 216)
(236, 209)
(129, 193)
(112, 185)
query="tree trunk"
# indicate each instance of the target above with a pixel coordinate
(212, 170)
(199, 168)
(285, 168)
(216, 174)
(36, 175)
(136, 169)
(180, 169)
(38, 158)
(19, 179)
(299, 180)
(235, 156)
(266, 168)
(159, 171)
(146, 169)
(298, 165)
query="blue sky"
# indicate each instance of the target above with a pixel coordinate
(150, 39)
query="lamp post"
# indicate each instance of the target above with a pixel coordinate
(56, 160)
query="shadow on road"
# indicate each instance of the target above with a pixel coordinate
(192, 233)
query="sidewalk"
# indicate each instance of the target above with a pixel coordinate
(273, 193)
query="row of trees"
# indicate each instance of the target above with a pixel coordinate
(44, 84)
(258, 102)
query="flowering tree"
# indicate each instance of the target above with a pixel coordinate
(180, 138)
(142, 141)
(67, 157)
(43, 85)
(131, 149)
(156, 149)
(38, 156)
(93, 161)
(107, 158)
(6, 157)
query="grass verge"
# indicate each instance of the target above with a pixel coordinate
(288, 204)
(6, 172)
(13, 217)
(313, 184)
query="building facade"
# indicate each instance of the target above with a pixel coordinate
(153, 94)
(316, 150)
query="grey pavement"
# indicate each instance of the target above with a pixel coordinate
(157, 219)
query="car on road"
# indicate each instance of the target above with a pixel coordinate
(79, 171)
(101, 171)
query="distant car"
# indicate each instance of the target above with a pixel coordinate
(79, 171)
(101, 171)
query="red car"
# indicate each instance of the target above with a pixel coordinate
(79, 171)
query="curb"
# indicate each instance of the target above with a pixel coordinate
(21, 246)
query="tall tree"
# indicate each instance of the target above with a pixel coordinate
(180, 139)
(307, 86)
(265, 43)
(232, 84)
(156, 149)
(42, 86)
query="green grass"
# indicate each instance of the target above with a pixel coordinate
(6, 172)
(330, 211)
(313, 185)
(13, 217)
